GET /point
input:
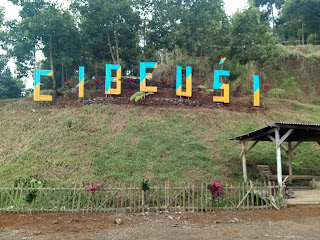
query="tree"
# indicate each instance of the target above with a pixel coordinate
(46, 27)
(109, 30)
(205, 29)
(270, 4)
(197, 27)
(9, 87)
(251, 38)
(300, 18)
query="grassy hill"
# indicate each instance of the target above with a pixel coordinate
(112, 143)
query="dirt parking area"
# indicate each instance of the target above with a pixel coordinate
(295, 222)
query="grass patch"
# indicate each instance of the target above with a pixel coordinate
(128, 143)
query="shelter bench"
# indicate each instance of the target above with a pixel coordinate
(267, 175)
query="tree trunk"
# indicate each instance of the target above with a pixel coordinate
(54, 83)
(34, 59)
(272, 19)
(174, 63)
(166, 55)
(200, 65)
(96, 69)
(302, 33)
(117, 48)
(62, 75)
(110, 47)
(248, 78)
(161, 56)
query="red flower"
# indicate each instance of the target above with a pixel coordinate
(165, 82)
(267, 86)
(215, 189)
(199, 83)
(67, 83)
(96, 82)
(93, 188)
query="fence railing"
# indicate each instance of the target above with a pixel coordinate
(131, 198)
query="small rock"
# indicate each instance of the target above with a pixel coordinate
(170, 217)
(175, 225)
(218, 221)
(37, 233)
(118, 221)
(55, 222)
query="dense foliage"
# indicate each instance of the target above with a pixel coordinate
(10, 87)
(92, 33)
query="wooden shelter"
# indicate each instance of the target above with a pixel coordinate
(292, 133)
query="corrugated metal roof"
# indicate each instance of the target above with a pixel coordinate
(296, 124)
(304, 131)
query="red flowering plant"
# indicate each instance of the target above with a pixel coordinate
(93, 188)
(130, 81)
(165, 82)
(215, 189)
(267, 86)
(238, 89)
(97, 83)
(68, 83)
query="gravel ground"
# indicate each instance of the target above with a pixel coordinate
(296, 222)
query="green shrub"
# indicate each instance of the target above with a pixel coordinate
(277, 92)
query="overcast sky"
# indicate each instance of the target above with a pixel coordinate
(12, 12)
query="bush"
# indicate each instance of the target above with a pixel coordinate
(277, 92)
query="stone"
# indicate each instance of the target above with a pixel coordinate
(55, 222)
(118, 221)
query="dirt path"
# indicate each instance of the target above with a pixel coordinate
(296, 222)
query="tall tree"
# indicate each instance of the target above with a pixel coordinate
(301, 19)
(270, 5)
(251, 38)
(205, 28)
(9, 86)
(46, 27)
(109, 30)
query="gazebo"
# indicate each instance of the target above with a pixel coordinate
(292, 133)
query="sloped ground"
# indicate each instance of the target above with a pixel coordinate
(299, 222)
(72, 144)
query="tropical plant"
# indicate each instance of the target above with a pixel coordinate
(145, 185)
(205, 90)
(32, 193)
(277, 92)
(140, 95)
(215, 189)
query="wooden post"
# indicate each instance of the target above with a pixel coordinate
(278, 150)
(290, 158)
(244, 161)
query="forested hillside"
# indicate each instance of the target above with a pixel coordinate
(65, 141)
(267, 38)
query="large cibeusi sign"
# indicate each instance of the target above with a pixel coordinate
(143, 82)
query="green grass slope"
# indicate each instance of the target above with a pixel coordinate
(127, 143)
